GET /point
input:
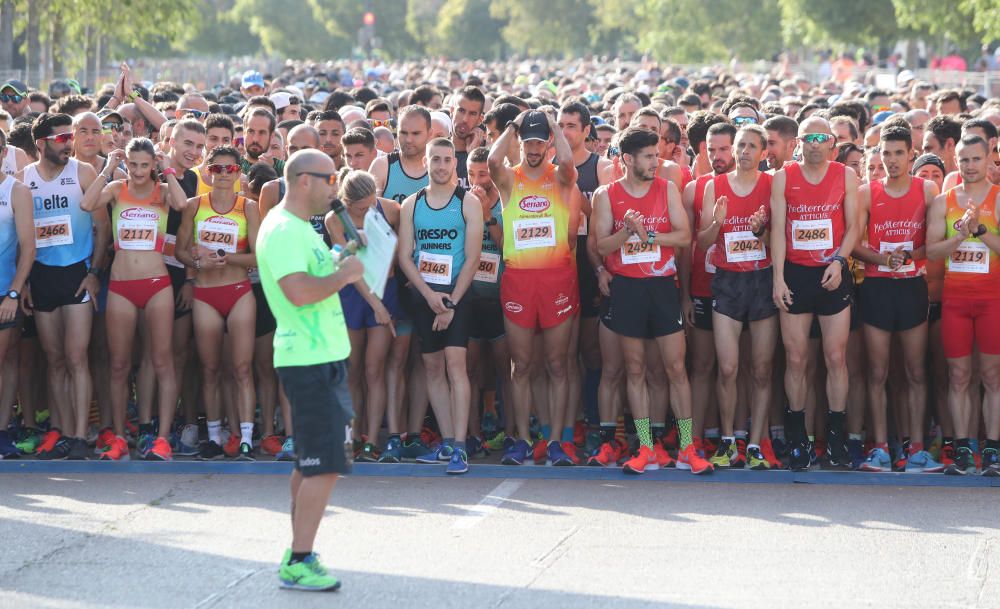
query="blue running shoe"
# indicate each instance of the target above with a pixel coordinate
(443, 453)
(459, 463)
(877, 461)
(991, 463)
(517, 454)
(856, 450)
(8, 450)
(287, 452)
(393, 452)
(922, 462)
(800, 456)
(413, 449)
(144, 444)
(557, 456)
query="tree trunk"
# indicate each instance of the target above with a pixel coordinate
(58, 64)
(33, 57)
(90, 69)
(6, 34)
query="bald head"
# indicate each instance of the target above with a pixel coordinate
(309, 160)
(88, 119)
(815, 124)
(302, 137)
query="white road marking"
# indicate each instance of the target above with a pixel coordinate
(477, 513)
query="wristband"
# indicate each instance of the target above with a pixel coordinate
(96, 272)
(169, 171)
(131, 96)
(763, 229)
(980, 231)
(842, 261)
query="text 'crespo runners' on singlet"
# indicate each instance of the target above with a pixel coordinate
(973, 270)
(486, 282)
(897, 222)
(439, 240)
(736, 248)
(64, 233)
(8, 234)
(636, 258)
(536, 223)
(398, 184)
(215, 231)
(815, 224)
(139, 224)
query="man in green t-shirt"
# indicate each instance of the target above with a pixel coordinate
(311, 346)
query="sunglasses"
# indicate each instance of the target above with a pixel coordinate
(816, 138)
(11, 98)
(877, 109)
(739, 121)
(60, 138)
(109, 127)
(331, 178)
(388, 123)
(219, 168)
(195, 113)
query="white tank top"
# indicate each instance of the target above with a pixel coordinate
(9, 165)
(64, 233)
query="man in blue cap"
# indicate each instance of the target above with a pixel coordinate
(252, 84)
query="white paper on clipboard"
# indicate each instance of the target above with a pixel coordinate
(380, 252)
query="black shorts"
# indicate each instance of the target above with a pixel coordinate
(744, 296)
(808, 296)
(177, 278)
(933, 312)
(702, 312)
(322, 416)
(485, 319)
(455, 335)
(55, 286)
(605, 311)
(28, 328)
(645, 308)
(590, 294)
(894, 305)
(265, 319)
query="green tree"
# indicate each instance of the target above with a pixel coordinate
(965, 22)
(816, 22)
(465, 28)
(289, 29)
(559, 27)
(343, 19)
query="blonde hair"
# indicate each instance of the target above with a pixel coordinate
(355, 184)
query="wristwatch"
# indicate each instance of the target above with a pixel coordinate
(650, 236)
(131, 96)
(980, 231)
(14, 295)
(492, 221)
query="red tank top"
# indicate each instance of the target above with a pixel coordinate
(702, 268)
(685, 176)
(736, 248)
(815, 224)
(895, 222)
(636, 258)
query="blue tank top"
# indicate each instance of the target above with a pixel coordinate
(8, 235)
(399, 185)
(64, 233)
(439, 240)
(486, 282)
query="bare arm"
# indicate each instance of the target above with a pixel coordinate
(24, 211)
(248, 259)
(502, 175)
(850, 215)
(472, 210)
(185, 235)
(268, 197)
(380, 171)
(602, 224)
(710, 226)
(860, 251)
(778, 219)
(303, 289)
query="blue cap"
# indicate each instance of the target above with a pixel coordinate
(682, 82)
(252, 78)
(880, 117)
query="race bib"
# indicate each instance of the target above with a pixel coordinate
(709, 267)
(218, 235)
(743, 246)
(812, 234)
(635, 251)
(489, 268)
(887, 248)
(137, 235)
(534, 232)
(169, 246)
(55, 230)
(970, 257)
(435, 268)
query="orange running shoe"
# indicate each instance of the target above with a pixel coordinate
(540, 452)
(570, 449)
(48, 441)
(117, 451)
(104, 440)
(663, 458)
(671, 440)
(643, 460)
(741, 453)
(232, 447)
(271, 445)
(699, 446)
(606, 455)
(767, 450)
(688, 459)
(160, 451)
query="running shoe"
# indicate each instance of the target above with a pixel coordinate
(877, 461)
(210, 451)
(287, 452)
(160, 451)
(838, 454)
(607, 454)
(593, 443)
(245, 452)
(441, 453)
(459, 463)
(688, 459)
(768, 450)
(948, 454)
(710, 445)
(725, 455)
(815, 452)
(856, 451)
(579, 433)
(800, 457)
(308, 575)
(756, 459)
(476, 448)
(187, 443)
(144, 444)
(105, 438)
(28, 441)
(671, 439)
(570, 449)
(663, 458)
(540, 452)
(517, 454)
(699, 446)
(369, 454)
(923, 462)
(413, 448)
(430, 437)
(393, 451)
(963, 464)
(59, 452)
(117, 451)
(48, 441)
(78, 449)
(232, 446)
(991, 463)
(557, 456)
(497, 442)
(8, 450)
(271, 445)
(644, 460)
(357, 446)
(779, 446)
(741, 454)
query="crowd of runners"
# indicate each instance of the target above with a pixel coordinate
(596, 266)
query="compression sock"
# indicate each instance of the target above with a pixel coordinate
(642, 428)
(684, 427)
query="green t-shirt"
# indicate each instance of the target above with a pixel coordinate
(308, 335)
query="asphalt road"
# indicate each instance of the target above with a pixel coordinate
(196, 541)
